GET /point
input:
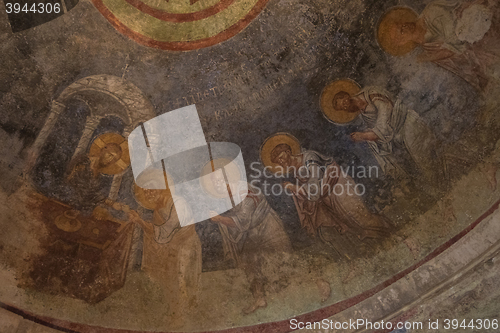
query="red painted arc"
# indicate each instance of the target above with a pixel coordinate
(180, 46)
(180, 17)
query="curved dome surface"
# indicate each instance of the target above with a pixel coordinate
(377, 217)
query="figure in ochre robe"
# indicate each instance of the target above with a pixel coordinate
(172, 255)
(253, 235)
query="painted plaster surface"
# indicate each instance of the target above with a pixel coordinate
(393, 103)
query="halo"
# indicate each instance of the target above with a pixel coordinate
(384, 38)
(151, 175)
(232, 171)
(271, 142)
(122, 161)
(339, 117)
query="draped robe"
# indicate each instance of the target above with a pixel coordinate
(257, 236)
(400, 132)
(471, 61)
(172, 255)
(328, 206)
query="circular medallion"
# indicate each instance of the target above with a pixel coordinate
(339, 117)
(390, 31)
(271, 142)
(180, 25)
(111, 150)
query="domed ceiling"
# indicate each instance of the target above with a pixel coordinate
(203, 165)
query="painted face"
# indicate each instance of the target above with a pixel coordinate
(403, 32)
(219, 183)
(284, 159)
(342, 103)
(152, 195)
(109, 154)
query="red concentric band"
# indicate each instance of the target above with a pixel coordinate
(180, 17)
(180, 46)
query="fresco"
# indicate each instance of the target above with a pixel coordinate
(179, 25)
(369, 131)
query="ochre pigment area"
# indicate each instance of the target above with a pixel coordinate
(360, 182)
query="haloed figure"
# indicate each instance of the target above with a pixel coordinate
(408, 32)
(401, 142)
(253, 235)
(325, 207)
(85, 176)
(455, 35)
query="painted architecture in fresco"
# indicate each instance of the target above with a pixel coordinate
(362, 128)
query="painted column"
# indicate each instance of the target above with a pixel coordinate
(55, 110)
(90, 127)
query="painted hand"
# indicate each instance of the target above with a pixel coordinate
(290, 187)
(357, 137)
(109, 202)
(221, 219)
(134, 216)
(214, 217)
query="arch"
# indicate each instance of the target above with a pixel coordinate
(137, 106)
(136, 109)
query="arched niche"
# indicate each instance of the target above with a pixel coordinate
(105, 96)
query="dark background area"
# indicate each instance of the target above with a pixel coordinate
(40, 62)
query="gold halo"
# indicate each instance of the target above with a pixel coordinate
(271, 142)
(233, 175)
(339, 117)
(149, 176)
(384, 38)
(121, 163)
